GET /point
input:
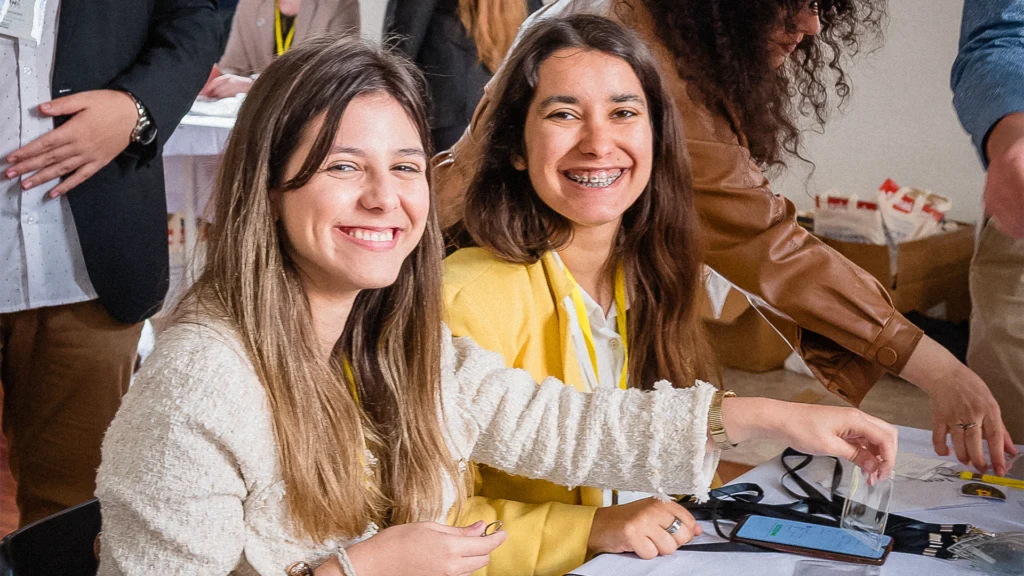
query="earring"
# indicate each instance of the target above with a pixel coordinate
(518, 163)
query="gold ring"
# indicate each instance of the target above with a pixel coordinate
(966, 426)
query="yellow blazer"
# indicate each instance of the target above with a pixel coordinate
(517, 311)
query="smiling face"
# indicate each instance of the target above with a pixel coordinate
(786, 38)
(588, 135)
(354, 223)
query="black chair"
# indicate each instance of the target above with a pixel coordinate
(64, 544)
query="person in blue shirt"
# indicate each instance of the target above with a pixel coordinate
(988, 87)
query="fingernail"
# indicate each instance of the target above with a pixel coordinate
(45, 106)
(27, 184)
(11, 173)
(53, 194)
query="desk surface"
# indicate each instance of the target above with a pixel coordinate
(1002, 516)
(199, 136)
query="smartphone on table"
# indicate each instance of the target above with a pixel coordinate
(826, 542)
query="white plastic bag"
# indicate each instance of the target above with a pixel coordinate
(849, 219)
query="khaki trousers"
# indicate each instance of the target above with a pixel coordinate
(63, 370)
(996, 351)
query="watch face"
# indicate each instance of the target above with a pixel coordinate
(146, 134)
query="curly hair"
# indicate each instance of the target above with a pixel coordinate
(721, 50)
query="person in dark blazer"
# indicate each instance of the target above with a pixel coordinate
(458, 44)
(83, 248)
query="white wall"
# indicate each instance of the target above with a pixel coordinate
(900, 121)
(372, 13)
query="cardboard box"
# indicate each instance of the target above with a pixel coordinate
(931, 273)
(741, 338)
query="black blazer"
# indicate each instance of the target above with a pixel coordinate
(161, 51)
(431, 34)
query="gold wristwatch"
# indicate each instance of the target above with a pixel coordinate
(715, 426)
(299, 569)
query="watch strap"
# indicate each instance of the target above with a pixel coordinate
(142, 124)
(715, 425)
(299, 569)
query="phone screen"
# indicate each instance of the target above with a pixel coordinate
(812, 536)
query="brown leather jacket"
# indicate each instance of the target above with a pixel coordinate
(837, 316)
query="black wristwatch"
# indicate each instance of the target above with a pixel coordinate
(145, 130)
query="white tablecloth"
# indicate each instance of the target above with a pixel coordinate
(191, 158)
(1003, 516)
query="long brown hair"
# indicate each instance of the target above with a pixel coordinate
(720, 48)
(658, 243)
(493, 25)
(392, 338)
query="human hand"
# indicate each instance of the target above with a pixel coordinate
(963, 398)
(641, 527)
(226, 86)
(848, 433)
(99, 129)
(958, 396)
(1004, 184)
(425, 549)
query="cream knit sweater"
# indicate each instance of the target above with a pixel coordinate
(190, 481)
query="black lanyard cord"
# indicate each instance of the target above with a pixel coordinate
(734, 502)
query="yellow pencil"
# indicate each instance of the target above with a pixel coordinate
(997, 480)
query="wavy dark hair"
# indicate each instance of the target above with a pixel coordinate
(721, 50)
(658, 238)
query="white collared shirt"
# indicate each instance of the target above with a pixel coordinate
(610, 360)
(607, 341)
(41, 262)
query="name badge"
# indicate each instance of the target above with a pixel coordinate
(22, 19)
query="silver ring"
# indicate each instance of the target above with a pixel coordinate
(966, 426)
(674, 526)
(496, 525)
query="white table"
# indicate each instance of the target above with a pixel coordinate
(191, 158)
(1003, 516)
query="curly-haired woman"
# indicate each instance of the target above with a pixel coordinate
(742, 74)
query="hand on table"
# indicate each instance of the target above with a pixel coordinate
(963, 398)
(641, 527)
(959, 396)
(868, 442)
(425, 549)
(226, 86)
(99, 129)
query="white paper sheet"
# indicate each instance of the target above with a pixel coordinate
(919, 467)
(23, 19)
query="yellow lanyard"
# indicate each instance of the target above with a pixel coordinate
(355, 394)
(351, 381)
(282, 43)
(620, 318)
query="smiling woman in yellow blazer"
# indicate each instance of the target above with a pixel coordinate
(588, 270)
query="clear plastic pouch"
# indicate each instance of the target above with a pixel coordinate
(866, 510)
(829, 568)
(994, 554)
